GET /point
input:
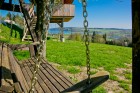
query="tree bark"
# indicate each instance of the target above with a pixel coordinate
(136, 45)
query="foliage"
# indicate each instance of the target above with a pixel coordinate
(19, 20)
(14, 36)
(75, 36)
(98, 39)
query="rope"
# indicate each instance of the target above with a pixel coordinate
(46, 14)
(12, 22)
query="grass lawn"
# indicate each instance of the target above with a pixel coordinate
(73, 53)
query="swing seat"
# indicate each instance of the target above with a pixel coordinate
(82, 87)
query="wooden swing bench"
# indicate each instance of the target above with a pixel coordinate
(16, 77)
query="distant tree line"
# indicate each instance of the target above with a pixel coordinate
(18, 19)
(97, 38)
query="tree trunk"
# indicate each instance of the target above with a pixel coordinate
(41, 27)
(136, 45)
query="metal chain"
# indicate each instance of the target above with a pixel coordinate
(86, 35)
(47, 13)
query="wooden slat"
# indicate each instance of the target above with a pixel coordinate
(59, 79)
(17, 88)
(32, 51)
(40, 80)
(27, 77)
(18, 72)
(46, 80)
(6, 78)
(65, 10)
(65, 83)
(37, 86)
(59, 74)
(52, 79)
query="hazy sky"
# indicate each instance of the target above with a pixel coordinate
(102, 14)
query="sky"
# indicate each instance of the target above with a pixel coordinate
(101, 14)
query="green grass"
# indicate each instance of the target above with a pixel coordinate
(113, 77)
(73, 70)
(16, 34)
(73, 53)
(21, 55)
(99, 89)
(125, 86)
(128, 75)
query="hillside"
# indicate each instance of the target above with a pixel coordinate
(10, 36)
(112, 33)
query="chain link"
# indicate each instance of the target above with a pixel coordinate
(86, 35)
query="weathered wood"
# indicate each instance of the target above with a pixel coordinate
(37, 86)
(18, 88)
(17, 70)
(54, 76)
(28, 22)
(59, 74)
(40, 80)
(27, 77)
(51, 79)
(32, 51)
(65, 10)
(6, 78)
(46, 80)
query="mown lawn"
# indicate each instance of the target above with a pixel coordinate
(102, 55)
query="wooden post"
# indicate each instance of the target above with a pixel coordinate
(136, 45)
(62, 30)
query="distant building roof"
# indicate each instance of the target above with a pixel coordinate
(9, 21)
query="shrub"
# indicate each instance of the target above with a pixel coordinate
(75, 36)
